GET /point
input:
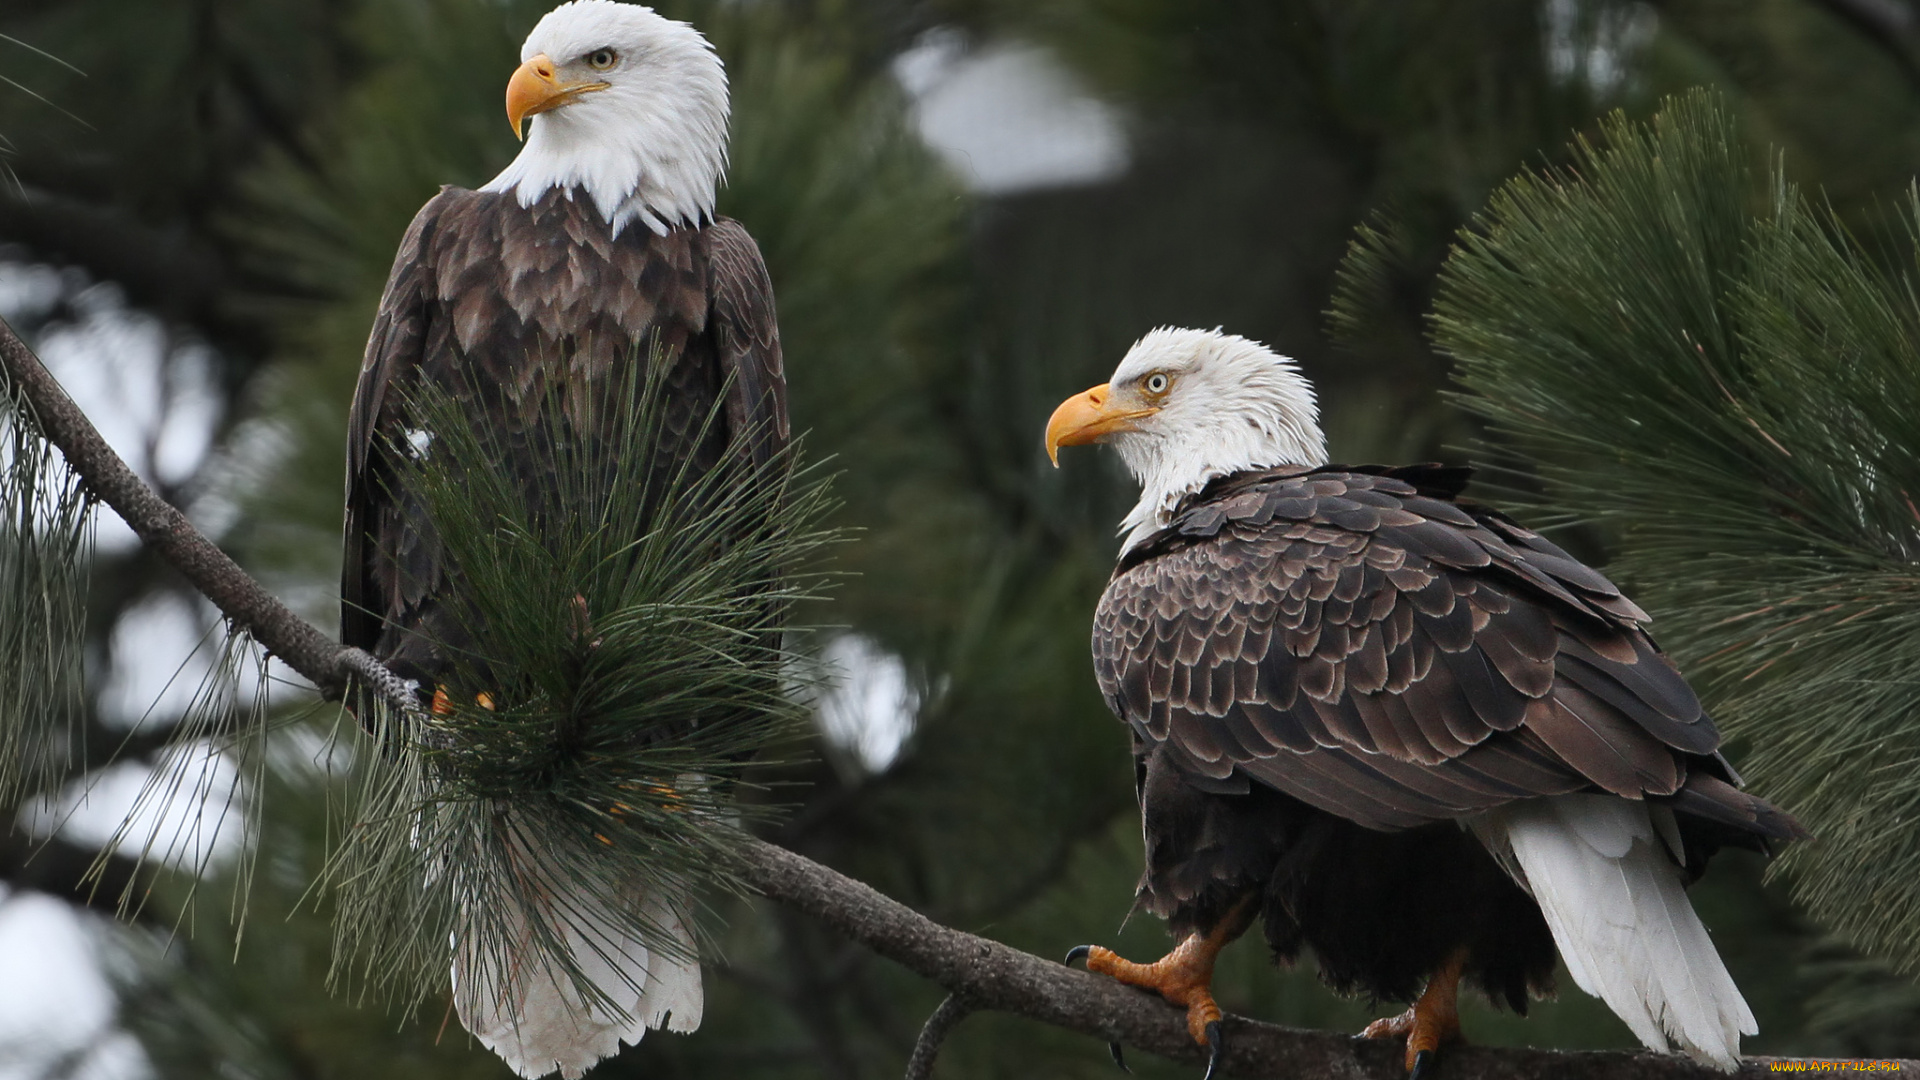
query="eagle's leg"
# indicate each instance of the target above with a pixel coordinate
(443, 705)
(1184, 976)
(1432, 1021)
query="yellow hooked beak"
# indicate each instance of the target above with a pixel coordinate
(1086, 418)
(536, 88)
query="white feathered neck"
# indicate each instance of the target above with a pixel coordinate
(1232, 405)
(652, 146)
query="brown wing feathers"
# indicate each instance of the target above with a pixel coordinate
(509, 303)
(747, 339)
(1360, 641)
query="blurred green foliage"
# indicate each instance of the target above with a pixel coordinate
(250, 167)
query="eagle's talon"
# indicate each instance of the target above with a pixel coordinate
(443, 704)
(1183, 977)
(1431, 1022)
(1389, 1027)
(1216, 1049)
(1081, 952)
(1203, 1016)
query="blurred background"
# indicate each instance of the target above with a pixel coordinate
(970, 209)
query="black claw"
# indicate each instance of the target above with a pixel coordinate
(1216, 1049)
(1079, 952)
(1424, 1065)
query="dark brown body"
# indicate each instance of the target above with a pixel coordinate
(1329, 672)
(1380, 910)
(508, 307)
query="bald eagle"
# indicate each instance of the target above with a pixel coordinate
(596, 245)
(1392, 724)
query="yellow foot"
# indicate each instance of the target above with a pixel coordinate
(1432, 1022)
(1184, 977)
(442, 704)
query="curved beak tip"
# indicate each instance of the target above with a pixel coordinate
(1085, 418)
(532, 89)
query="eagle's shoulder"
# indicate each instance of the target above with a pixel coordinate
(1392, 511)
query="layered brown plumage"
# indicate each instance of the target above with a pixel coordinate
(509, 308)
(1327, 671)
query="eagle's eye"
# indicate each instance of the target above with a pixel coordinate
(1156, 383)
(602, 59)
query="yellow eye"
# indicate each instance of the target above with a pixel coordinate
(1157, 383)
(602, 59)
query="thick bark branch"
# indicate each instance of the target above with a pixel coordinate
(981, 973)
(988, 975)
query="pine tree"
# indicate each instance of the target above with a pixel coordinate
(929, 333)
(1702, 365)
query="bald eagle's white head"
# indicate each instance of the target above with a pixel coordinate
(627, 107)
(1187, 406)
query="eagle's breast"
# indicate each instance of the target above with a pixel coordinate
(550, 288)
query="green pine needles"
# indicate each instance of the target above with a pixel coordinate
(1707, 366)
(617, 655)
(46, 538)
(199, 798)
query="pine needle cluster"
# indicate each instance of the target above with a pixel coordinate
(1703, 365)
(200, 795)
(620, 656)
(204, 789)
(46, 538)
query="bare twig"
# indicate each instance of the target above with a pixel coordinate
(927, 1047)
(982, 973)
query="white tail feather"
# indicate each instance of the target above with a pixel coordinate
(531, 1014)
(1613, 898)
(673, 999)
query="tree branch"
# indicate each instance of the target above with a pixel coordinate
(988, 975)
(927, 1047)
(983, 974)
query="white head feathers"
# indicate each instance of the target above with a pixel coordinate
(1228, 404)
(651, 144)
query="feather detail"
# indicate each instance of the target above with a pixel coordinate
(526, 1009)
(673, 998)
(1612, 895)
